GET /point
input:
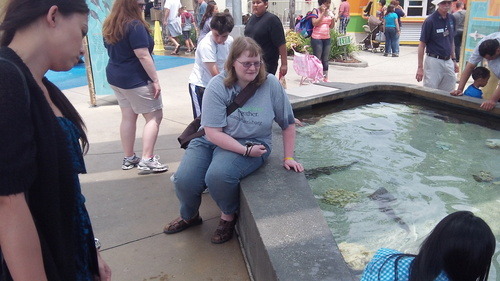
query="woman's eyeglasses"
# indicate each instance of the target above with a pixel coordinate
(141, 5)
(247, 64)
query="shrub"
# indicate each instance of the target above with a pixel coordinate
(293, 37)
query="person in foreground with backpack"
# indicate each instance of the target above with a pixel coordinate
(320, 37)
(236, 145)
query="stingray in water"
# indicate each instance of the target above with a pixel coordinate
(316, 172)
(383, 199)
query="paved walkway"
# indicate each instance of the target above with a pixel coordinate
(129, 210)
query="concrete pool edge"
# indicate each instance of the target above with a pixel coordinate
(283, 232)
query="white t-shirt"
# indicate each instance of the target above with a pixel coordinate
(493, 65)
(208, 51)
(173, 6)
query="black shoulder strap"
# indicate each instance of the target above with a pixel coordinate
(242, 97)
(23, 78)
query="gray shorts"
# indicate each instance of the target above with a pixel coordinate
(140, 99)
(174, 29)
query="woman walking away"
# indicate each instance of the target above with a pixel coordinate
(459, 248)
(242, 139)
(132, 75)
(391, 31)
(187, 25)
(266, 29)
(45, 230)
(320, 38)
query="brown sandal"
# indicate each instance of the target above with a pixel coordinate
(179, 224)
(224, 231)
(176, 50)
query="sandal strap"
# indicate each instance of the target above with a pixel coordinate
(179, 224)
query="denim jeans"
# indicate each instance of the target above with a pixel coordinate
(343, 25)
(221, 170)
(321, 49)
(391, 40)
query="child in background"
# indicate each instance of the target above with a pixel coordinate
(481, 75)
(187, 24)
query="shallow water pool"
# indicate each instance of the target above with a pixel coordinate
(425, 161)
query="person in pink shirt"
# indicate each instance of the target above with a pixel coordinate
(344, 16)
(320, 38)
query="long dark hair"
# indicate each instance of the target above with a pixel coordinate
(461, 244)
(208, 13)
(21, 13)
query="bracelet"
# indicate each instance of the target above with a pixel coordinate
(247, 151)
(288, 158)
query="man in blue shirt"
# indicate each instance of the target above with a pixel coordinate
(436, 41)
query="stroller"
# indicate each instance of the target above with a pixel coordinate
(308, 66)
(372, 41)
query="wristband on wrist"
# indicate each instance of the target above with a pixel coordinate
(288, 158)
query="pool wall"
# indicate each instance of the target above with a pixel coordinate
(282, 231)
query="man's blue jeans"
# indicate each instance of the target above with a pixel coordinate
(221, 170)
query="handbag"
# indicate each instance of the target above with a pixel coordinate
(380, 37)
(193, 131)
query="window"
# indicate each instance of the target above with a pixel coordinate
(418, 8)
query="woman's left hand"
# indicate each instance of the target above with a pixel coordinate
(292, 164)
(104, 269)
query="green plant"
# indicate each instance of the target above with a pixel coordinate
(293, 38)
(337, 52)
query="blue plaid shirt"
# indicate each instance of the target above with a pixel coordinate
(376, 266)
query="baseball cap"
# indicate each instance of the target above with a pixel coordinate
(436, 2)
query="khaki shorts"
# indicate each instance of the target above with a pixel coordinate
(140, 99)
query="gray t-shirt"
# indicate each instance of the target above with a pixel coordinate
(459, 19)
(255, 119)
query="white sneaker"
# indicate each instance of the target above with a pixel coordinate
(152, 164)
(130, 163)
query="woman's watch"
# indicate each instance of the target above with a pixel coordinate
(97, 244)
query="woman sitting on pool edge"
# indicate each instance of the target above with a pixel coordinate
(459, 248)
(236, 145)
